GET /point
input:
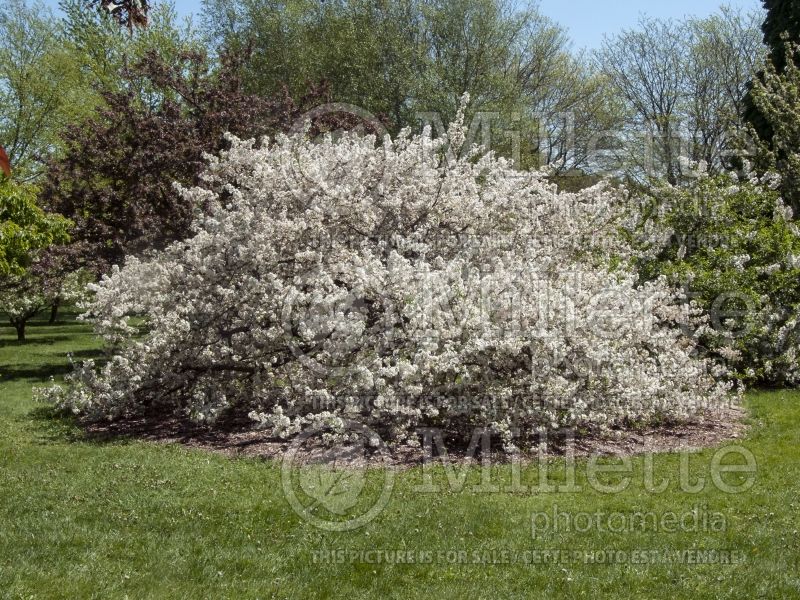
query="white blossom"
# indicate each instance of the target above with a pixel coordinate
(388, 281)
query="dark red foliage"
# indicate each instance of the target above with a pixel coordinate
(115, 179)
(5, 163)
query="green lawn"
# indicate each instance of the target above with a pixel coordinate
(80, 518)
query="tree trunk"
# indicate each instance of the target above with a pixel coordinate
(20, 327)
(54, 311)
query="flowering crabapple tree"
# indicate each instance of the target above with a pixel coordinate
(406, 283)
(24, 296)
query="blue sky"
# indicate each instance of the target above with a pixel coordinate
(588, 20)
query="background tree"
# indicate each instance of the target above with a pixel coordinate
(117, 174)
(781, 25)
(645, 66)
(518, 64)
(25, 233)
(40, 88)
(724, 53)
(53, 71)
(103, 48)
(776, 97)
(411, 61)
(684, 84)
(371, 53)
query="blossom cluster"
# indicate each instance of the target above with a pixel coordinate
(325, 272)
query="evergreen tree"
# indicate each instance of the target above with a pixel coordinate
(781, 25)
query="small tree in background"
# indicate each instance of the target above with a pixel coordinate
(41, 87)
(24, 228)
(25, 232)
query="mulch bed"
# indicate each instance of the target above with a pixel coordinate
(243, 440)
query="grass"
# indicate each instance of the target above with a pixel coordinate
(88, 519)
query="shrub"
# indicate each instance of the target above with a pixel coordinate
(734, 248)
(399, 285)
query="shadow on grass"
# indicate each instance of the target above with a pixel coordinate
(58, 324)
(32, 371)
(37, 340)
(51, 426)
(56, 367)
(48, 426)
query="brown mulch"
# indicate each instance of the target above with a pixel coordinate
(243, 440)
(713, 429)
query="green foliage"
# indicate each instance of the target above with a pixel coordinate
(776, 98)
(371, 53)
(781, 27)
(736, 251)
(40, 85)
(25, 228)
(26, 232)
(103, 47)
(410, 61)
(53, 71)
